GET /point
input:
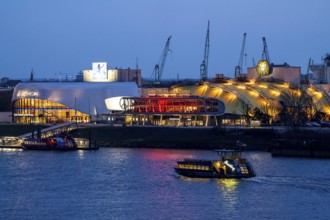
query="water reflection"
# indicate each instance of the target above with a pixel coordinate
(227, 185)
(10, 149)
(188, 179)
(81, 154)
(115, 183)
(228, 192)
(164, 154)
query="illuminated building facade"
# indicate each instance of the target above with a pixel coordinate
(172, 111)
(263, 102)
(64, 102)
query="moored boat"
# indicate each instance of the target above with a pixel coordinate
(230, 164)
(55, 144)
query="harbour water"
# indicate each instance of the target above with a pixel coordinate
(119, 183)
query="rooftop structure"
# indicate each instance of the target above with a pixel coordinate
(320, 72)
(101, 73)
(283, 73)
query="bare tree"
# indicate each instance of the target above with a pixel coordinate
(297, 106)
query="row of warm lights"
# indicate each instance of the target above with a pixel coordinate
(297, 92)
(263, 86)
(284, 85)
(317, 95)
(230, 96)
(254, 93)
(275, 93)
(242, 87)
(327, 110)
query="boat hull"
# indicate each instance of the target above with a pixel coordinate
(230, 165)
(50, 144)
(47, 148)
(204, 174)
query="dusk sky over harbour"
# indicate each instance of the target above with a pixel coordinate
(66, 36)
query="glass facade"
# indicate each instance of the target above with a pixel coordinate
(172, 111)
(31, 110)
(182, 105)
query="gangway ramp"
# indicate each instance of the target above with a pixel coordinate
(53, 130)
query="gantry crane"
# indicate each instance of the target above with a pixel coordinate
(265, 54)
(159, 68)
(204, 65)
(238, 68)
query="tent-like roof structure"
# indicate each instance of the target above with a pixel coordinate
(269, 98)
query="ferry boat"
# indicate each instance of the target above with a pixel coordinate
(230, 164)
(57, 144)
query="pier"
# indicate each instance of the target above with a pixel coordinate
(15, 142)
(52, 131)
(300, 148)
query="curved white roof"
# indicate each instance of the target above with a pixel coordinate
(85, 97)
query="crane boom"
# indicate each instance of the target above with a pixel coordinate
(159, 68)
(265, 54)
(204, 65)
(238, 68)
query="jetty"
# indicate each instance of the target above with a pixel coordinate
(300, 148)
(15, 142)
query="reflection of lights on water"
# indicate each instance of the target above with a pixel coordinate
(228, 185)
(10, 149)
(81, 154)
(227, 188)
(184, 178)
(165, 154)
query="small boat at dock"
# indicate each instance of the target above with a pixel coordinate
(230, 164)
(66, 143)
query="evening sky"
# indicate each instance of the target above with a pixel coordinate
(63, 37)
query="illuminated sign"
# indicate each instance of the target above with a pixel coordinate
(89, 76)
(26, 93)
(100, 71)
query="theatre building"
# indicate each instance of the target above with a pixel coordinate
(49, 103)
(172, 111)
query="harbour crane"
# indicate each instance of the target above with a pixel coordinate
(265, 54)
(204, 65)
(238, 68)
(159, 68)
